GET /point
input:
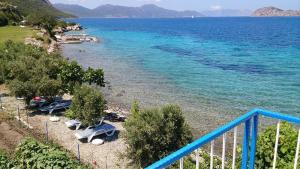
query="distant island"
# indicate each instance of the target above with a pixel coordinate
(117, 11)
(273, 11)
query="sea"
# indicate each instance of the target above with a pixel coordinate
(216, 68)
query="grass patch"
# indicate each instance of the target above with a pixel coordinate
(15, 33)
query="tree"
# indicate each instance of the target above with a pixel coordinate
(152, 134)
(88, 105)
(71, 74)
(30, 71)
(94, 76)
(45, 21)
(3, 19)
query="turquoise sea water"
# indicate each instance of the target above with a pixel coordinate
(215, 68)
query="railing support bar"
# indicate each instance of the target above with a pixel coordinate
(246, 144)
(276, 144)
(197, 158)
(212, 154)
(181, 163)
(297, 151)
(223, 150)
(234, 148)
(253, 142)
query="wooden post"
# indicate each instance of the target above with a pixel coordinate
(19, 115)
(46, 132)
(78, 152)
(1, 102)
(27, 118)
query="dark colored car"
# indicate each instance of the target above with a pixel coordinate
(56, 106)
(114, 117)
(39, 102)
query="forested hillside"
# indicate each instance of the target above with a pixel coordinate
(27, 7)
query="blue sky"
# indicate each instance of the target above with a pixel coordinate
(192, 4)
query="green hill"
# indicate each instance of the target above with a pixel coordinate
(27, 7)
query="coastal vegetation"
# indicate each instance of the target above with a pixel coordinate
(154, 133)
(31, 154)
(73, 74)
(88, 105)
(30, 71)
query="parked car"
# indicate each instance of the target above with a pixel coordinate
(55, 106)
(95, 130)
(115, 117)
(40, 101)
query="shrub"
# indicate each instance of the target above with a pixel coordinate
(70, 114)
(94, 76)
(4, 161)
(265, 148)
(88, 105)
(33, 155)
(286, 147)
(152, 134)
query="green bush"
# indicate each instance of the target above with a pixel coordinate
(88, 105)
(70, 114)
(4, 161)
(34, 155)
(152, 134)
(265, 148)
(286, 147)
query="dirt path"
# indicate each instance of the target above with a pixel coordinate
(9, 137)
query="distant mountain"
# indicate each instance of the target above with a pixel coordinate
(76, 10)
(116, 11)
(227, 12)
(27, 7)
(273, 11)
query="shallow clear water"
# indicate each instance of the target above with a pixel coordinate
(215, 68)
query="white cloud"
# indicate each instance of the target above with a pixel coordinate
(216, 7)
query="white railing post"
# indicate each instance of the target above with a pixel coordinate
(276, 144)
(297, 151)
(197, 158)
(223, 150)
(234, 148)
(181, 163)
(212, 154)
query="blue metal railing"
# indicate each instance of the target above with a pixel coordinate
(247, 118)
